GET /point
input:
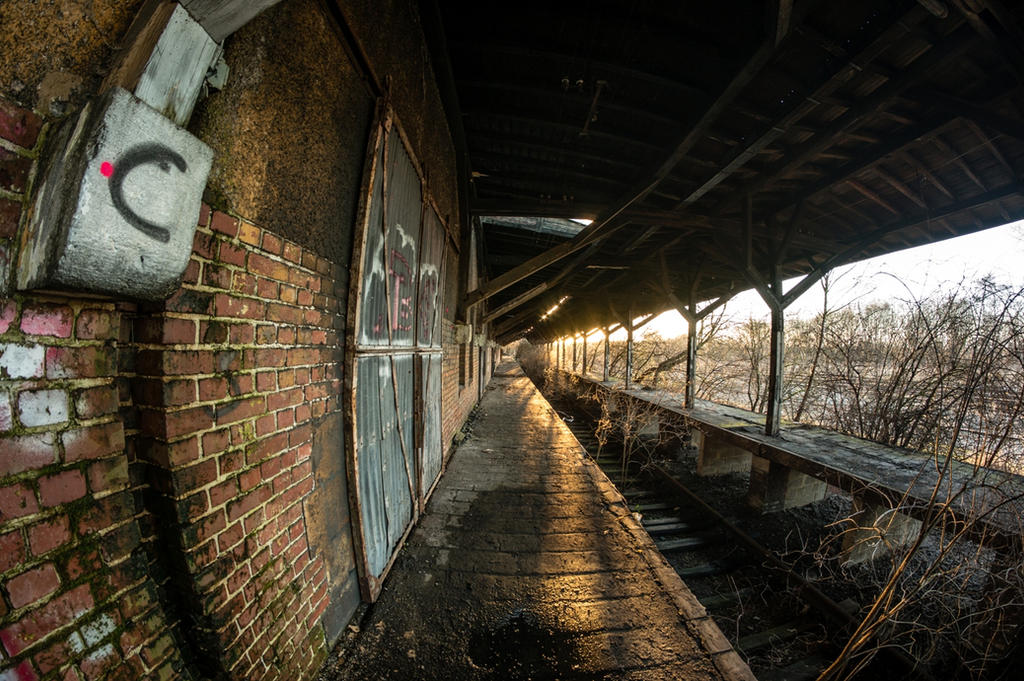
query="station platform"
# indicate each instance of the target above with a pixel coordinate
(528, 565)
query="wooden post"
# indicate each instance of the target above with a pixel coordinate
(691, 360)
(606, 354)
(774, 414)
(584, 372)
(629, 350)
(574, 353)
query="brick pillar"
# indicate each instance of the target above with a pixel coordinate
(715, 457)
(774, 487)
(877, 528)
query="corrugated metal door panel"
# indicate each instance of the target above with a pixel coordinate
(370, 468)
(399, 463)
(431, 453)
(373, 308)
(431, 262)
(404, 201)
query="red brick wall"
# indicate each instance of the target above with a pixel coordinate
(78, 601)
(234, 372)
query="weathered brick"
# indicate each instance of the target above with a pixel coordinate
(10, 215)
(84, 362)
(214, 388)
(22, 361)
(245, 308)
(99, 662)
(53, 321)
(95, 324)
(42, 407)
(26, 452)
(23, 671)
(249, 233)
(188, 421)
(61, 488)
(109, 474)
(33, 585)
(93, 442)
(6, 413)
(217, 277)
(18, 125)
(12, 547)
(97, 401)
(38, 625)
(47, 535)
(224, 223)
(231, 254)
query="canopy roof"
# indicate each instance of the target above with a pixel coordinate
(717, 144)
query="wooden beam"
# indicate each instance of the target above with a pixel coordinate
(1013, 127)
(947, 48)
(836, 78)
(872, 196)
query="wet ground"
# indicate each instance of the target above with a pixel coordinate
(528, 565)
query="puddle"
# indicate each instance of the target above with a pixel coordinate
(520, 649)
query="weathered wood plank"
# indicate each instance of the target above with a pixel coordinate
(221, 18)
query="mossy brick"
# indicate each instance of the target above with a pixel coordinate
(10, 215)
(187, 300)
(241, 384)
(17, 500)
(213, 332)
(37, 625)
(96, 401)
(47, 535)
(228, 360)
(14, 171)
(231, 254)
(105, 513)
(84, 561)
(108, 475)
(204, 245)
(8, 312)
(61, 488)
(100, 661)
(194, 477)
(19, 125)
(32, 585)
(96, 324)
(12, 549)
(241, 333)
(186, 422)
(81, 362)
(26, 453)
(224, 224)
(238, 410)
(119, 543)
(243, 283)
(22, 671)
(267, 288)
(174, 362)
(215, 276)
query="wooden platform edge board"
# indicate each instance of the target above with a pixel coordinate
(698, 623)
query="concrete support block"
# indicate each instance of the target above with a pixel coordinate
(879, 528)
(715, 457)
(118, 204)
(774, 487)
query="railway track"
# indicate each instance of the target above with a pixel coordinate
(783, 625)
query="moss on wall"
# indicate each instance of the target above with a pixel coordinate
(53, 55)
(289, 131)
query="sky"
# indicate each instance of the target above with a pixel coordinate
(903, 275)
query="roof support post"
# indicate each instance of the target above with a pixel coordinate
(584, 372)
(607, 352)
(778, 344)
(574, 353)
(629, 349)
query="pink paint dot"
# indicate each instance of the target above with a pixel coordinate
(106, 169)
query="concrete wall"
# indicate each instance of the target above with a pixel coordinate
(173, 495)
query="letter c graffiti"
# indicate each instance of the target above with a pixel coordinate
(137, 156)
